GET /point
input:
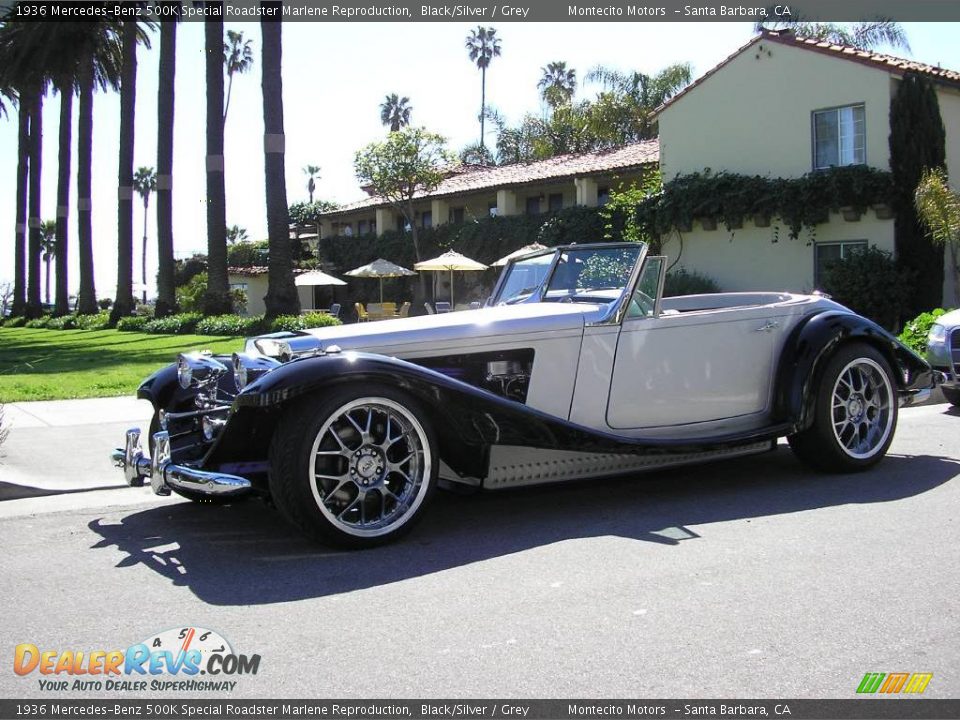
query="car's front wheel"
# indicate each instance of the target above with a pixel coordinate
(855, 414)
(355, 468)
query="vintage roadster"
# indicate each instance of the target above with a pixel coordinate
(577, 368)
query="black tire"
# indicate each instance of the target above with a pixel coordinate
(952, 395)
(191, 496)
(855, 415)
(335, 458)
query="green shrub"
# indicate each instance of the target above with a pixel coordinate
(870, 283)
(181, 324)
(685, 282)
(915, 332)
(40, 322)
(133, 323)
(145, 309)
(247, 254)
(231, 325)
(190, 296)
(100, 321)
(67, 322)
(104, 303)
(13, 322)
(290, 323)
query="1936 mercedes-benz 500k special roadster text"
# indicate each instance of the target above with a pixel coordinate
(577, 368)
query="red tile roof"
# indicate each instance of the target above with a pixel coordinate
(471, 178)
(869, 58)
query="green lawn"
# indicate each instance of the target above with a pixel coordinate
(60, 364)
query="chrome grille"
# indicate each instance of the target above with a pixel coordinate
(955, 352)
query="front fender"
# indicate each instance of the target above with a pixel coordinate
(810, 346)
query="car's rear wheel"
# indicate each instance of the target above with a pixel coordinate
(855, 414)
(952, 395)
(356, 468)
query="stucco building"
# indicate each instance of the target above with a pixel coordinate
(783, 106)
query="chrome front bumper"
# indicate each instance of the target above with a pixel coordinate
(165, 476)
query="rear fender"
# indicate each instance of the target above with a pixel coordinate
(813, 342)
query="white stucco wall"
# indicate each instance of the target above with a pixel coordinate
(753, 116)
(748, 259)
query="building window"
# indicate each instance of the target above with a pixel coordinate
(426, 219)
(492, 209)
(348, 230)
(533, 205)
(241, 286)
(839, 137)
(456, 215)
(555, 202)
(363, 227)
(827, 253)
(603, 196)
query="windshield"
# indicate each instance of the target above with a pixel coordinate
(586, 274)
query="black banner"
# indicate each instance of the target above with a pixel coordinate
(488, 11)
(853, 709)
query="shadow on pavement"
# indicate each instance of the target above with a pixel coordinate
(245, 554)
(12, 491)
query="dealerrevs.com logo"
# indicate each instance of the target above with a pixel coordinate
(173, 660)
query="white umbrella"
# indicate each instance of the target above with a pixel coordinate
(381, 269)
(450, 261)
(315, 277)
(525, 250)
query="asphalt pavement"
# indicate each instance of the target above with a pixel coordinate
(748, 578)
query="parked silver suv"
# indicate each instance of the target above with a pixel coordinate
(943, 353)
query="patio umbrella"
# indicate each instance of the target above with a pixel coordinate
(525, 250)
(381, 269)
(450, 261)
(315, 277)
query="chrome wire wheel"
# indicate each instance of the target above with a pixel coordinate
(862, 408)
(370, 467)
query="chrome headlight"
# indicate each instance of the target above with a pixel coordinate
(247, 368)
(937, 334)
(197, 369)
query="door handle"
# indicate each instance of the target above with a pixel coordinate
(768, 326)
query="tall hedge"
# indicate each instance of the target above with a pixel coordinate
(917, 142)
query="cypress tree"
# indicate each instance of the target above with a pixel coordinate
(917, 142)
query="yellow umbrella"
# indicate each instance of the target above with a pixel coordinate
(450, 261)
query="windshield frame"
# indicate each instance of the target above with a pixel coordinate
(537, 295)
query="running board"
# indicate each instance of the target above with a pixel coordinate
(512, 466)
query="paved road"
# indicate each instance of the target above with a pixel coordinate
(750, 578)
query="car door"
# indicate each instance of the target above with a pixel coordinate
(677, 368)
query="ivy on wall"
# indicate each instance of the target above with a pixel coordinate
(731, 198)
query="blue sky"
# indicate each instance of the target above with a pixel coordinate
(335, 76)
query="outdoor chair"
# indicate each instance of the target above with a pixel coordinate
(475, 305)
(442, 306)
(362, 314)
(429, 308)
(404, 310)
(335, 310)
(388, 308)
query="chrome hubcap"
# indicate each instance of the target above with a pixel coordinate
(371, 466)
(862, 408)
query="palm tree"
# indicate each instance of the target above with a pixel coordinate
(311, 171)
(99, 66)
(48, 251)
(863, 35)
(395, 111)
(144, 182)
(166, 284)
(236, 234)
(217, 298)
(938, 207)
(482, 46)
(237, 58)
(282, 298)
(557, 84)
(123, 302)
(19, 300)
(641, 93)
